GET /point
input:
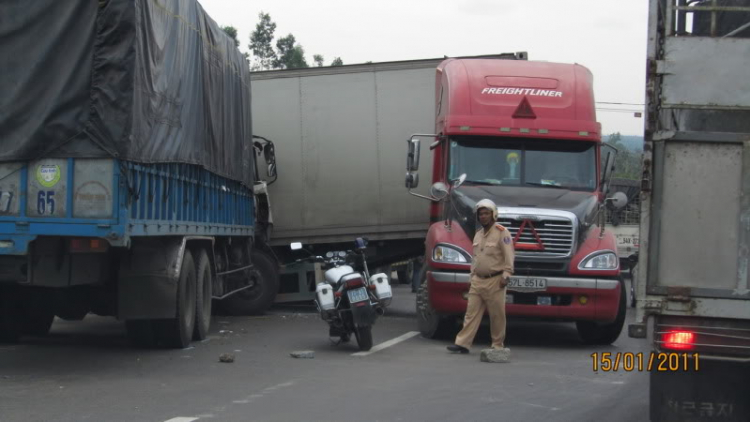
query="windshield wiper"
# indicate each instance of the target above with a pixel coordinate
(480, 182)
(545, 185)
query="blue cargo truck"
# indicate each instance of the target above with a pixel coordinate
(128, 178)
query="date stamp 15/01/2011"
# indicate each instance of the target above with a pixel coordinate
(653, 361)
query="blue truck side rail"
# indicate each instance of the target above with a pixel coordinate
(117, 200)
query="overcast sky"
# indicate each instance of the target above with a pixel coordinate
(607, 36)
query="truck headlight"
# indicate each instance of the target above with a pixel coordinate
(600, 261)
(443, 253)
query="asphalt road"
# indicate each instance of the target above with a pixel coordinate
(86, 371)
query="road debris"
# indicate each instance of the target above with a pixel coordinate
(495, 355)
(226, 357)
(303, 354)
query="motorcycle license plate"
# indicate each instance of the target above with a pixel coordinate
(527, 284)
(357, 295)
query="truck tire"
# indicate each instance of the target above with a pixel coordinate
(402, 277)
(364, 338)
(258, 299)
(11, 325)
(632, 286)
(204, 292)
(38, 323)
(604, 334)
(141, 332)
(431, 324)
(177, 332)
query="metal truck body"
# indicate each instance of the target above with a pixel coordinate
(131, 189)
(693, 294)
(342, 130)
(525, 134)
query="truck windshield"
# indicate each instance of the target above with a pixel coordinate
(524, 162)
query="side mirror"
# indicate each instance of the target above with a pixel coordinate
(269, 153)
(412, 180)
(412, 156)
(296, 246)
(271, 170)
(439, 191)
(618, 200)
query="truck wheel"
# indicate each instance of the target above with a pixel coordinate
(204, 284)
(10, 317)
(259, 298)
(632, 287)
(38, 323)
(431, 324)
(402, 277)
(177, 332)
(141, 332)
(604, 334)
(364, 338)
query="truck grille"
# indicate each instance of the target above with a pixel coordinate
(556, 235)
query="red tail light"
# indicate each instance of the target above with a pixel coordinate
(88, 245)
(678, 340)
(354, 282)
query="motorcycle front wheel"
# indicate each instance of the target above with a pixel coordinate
(364, 338)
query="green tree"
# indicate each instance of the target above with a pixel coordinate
(628, 164)
(290, 55)
(232, 32)
(261, 43)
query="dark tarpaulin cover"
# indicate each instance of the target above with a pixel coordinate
(151, 81)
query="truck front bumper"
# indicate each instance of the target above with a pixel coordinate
(564, 298)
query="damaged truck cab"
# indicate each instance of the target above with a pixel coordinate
(523, 134)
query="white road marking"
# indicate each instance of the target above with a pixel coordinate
(282, 385)
(265, 391)
(388, 343)
(246, 400)
(539, 405)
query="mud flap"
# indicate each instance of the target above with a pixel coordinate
(718, 391)
(363, 314)
(147, 282)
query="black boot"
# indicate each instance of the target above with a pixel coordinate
(454, 348)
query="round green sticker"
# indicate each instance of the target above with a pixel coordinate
(48, 175)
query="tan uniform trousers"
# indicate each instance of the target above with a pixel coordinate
(484, 294)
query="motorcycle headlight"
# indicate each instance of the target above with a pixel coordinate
(443, 253)
(602, 261)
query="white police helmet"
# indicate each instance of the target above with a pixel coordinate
(486, 203)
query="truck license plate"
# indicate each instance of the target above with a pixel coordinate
(527, 284)
(357, 295)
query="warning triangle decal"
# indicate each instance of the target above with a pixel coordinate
(524, 110)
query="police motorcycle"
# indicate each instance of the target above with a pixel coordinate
(347, 299)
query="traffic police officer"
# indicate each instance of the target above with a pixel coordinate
(491, 268)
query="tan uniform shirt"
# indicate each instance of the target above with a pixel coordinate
(493, 252)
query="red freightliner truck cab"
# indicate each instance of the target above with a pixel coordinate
(523, 134)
